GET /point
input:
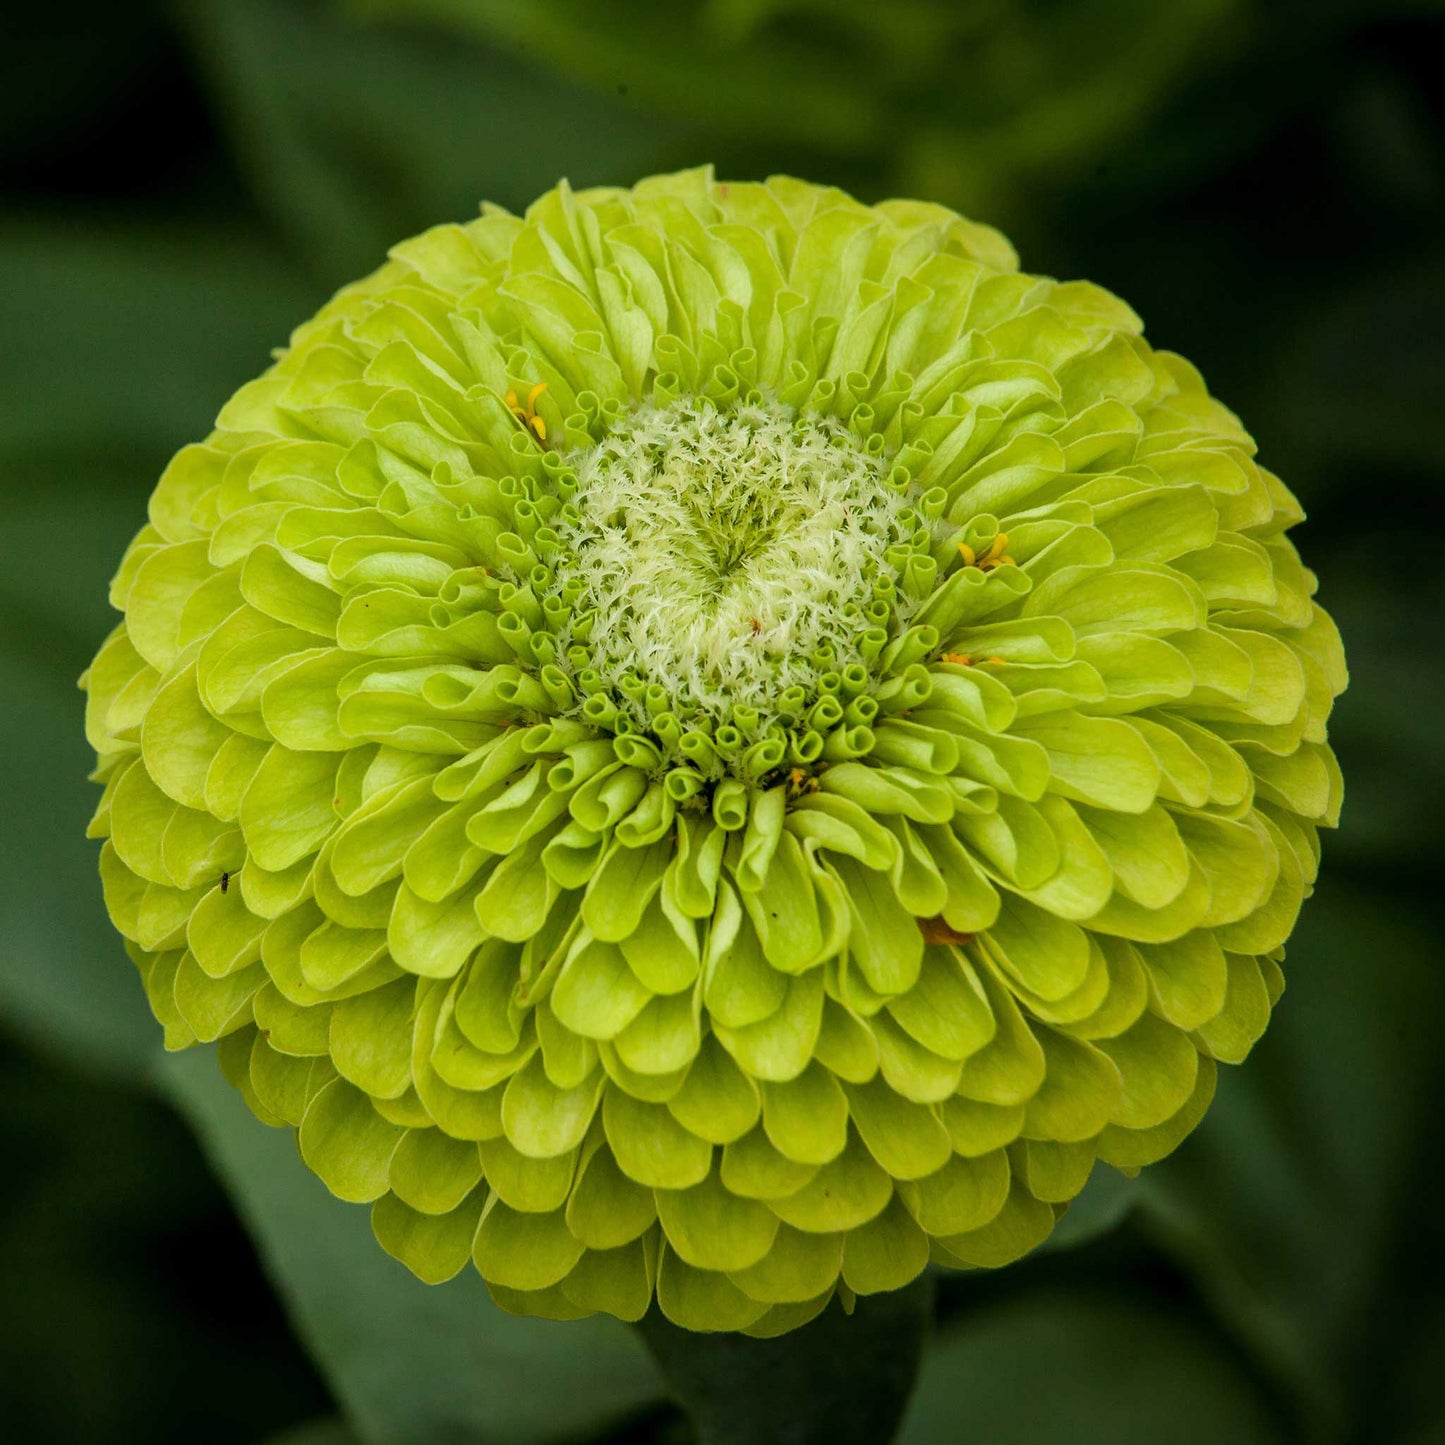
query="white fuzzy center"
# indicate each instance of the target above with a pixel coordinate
(725, 551)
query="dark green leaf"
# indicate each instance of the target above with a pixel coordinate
(328, 1430)
(65, 981)
(356, 137)
(412, 1364)
(1285, 1203)
(1051, 1368)
(124, 342)
(119, 347)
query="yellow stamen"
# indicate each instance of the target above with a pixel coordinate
(992, 556)
(958, 659)
(800, 782)
(527, 415)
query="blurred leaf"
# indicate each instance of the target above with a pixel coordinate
(1380, 580)
(119, 346)
(1360, 378)
(1053, 1368)
(132, 1301)
(357, 138)
(967, 103)
(124, 339)
(65, 981)
(327, 1430)
(1286, 1202)
(412, 1364)
(839, 1379)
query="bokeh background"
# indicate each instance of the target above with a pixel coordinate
(1264, 180)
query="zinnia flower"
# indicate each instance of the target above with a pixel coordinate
(716, 743)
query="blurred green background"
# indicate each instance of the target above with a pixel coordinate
(1263, 180)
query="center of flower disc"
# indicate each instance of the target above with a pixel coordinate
(728, 559)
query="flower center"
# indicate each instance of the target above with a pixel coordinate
(728, 559)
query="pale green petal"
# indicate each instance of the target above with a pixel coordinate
(434, 1247)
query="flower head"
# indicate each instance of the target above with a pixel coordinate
(716, 743)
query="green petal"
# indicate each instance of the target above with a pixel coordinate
(433, 940)
(739, 988)
(779, 1047)
(842, 1195)
(1134, 1148)
(1047, 955)
(1022, 1223)
(650, 1146)
(947, 1011)
(180, 740)
(530, 1186)
(1055, 1173)
(371, 1039)
(663, 950)
(542, 1120)
(284, 1085)
(618, 1281)
(1231, 1034)
(883, 940)
(523, 1251)
(1081, 1090)
(784, 910)
(712, 1228)
(910, 1069)
(213, 1007)
(797, 1267)
(696, 1299)
(433, 1173)
(596, 994)
(1009, 1069)
(223, 934)
(1149, 860)
(663, 1038)
(607, 1209)
(846, 1045)
(1158, 1064)
(962, 1195)
(286, 811)
(434, 1247)
(753, 1168)
(975, 1128)
(717, 1102)
(782, 1319)
(886, 1253)
(1096, 760)
(807, 1118)
(621, 887)
(346, 1142)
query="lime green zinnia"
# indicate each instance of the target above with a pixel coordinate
(716, 743)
